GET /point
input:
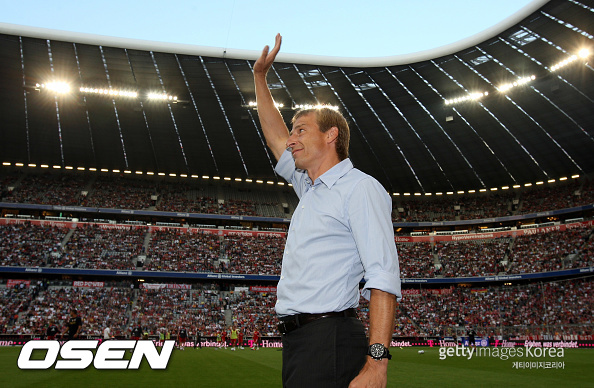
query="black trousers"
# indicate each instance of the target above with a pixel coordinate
(325, 353)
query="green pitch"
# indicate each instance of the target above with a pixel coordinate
(249, 368)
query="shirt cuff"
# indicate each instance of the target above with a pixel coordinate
(384, 281)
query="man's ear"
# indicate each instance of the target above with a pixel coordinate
(332, 135)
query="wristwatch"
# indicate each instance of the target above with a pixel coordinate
(378, 352)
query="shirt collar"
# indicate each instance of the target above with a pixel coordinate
(337, 171)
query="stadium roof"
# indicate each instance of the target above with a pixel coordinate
(420, 125)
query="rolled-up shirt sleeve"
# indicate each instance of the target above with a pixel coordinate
(369, 209)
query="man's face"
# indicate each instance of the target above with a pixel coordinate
(307, 143)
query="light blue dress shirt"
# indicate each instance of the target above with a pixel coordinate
(340, 232)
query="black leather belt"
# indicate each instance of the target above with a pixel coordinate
(289, 323)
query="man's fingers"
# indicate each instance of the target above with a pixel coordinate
(277, 44)
(265, 51)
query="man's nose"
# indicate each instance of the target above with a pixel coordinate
(290, 141)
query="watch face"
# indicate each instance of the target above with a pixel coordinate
(376, 350)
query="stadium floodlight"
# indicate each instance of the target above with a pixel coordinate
(216, 178)
(162, 96)
(522, 81)
(19, 164)
(316, 106)
(281, 183)
(56, 87)
(237, 179)
(551, 181)
(259, 181)
(575, 176)
(6, 163)
(248, 180)
(583, 54)
(254, 105)
(469, 97)
(31, 165)
(108, 92)
(563, 178)
(227, 178)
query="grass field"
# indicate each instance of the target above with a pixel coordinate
(247, 368)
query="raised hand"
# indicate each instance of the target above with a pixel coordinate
(265, 61)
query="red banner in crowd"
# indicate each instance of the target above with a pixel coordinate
(262, 289)
(255, 233)
(80, 283)
(15, 282)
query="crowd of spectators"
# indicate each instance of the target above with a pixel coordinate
(474, 258)
(92, 247)
(119, 193)
(125, 192)
(260, 255)
(46, 190)
(174, 250)
(480, 206)
(30, 245)
(549, 251)
(513, 311)
(520, 311)
(416, 260)
(187, 202)
(118, 247)
(549, 198)
(449, 209)
(98, 307)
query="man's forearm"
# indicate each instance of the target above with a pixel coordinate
(382, 309)
(273, 125)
